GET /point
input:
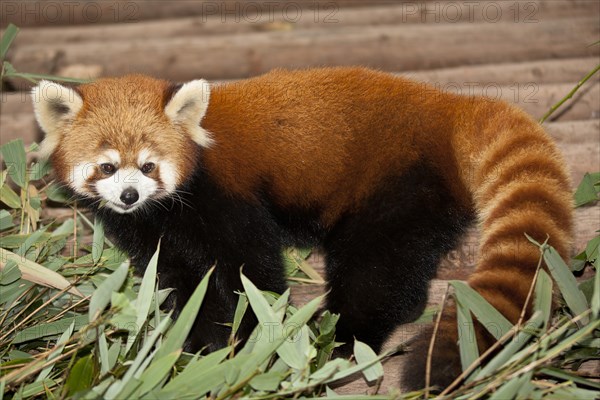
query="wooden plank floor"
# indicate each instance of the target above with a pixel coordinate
(532, 55)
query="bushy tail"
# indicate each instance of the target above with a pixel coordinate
(518, 183)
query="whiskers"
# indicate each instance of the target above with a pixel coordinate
(166, 203)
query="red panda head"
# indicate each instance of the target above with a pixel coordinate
(127, 141)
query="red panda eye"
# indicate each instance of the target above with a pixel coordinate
(148, 167)
(107, 168)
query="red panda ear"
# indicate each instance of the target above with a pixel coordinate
(54, 105)
(187, 108)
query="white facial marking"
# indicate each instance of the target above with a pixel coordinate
(145, 156)
(111, 157)
(82, 172)
(168, 176)
(113, 186)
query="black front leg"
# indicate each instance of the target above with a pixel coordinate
(211, 329)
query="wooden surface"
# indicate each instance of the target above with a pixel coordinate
(531, 58)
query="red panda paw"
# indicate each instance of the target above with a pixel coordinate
(445, 362)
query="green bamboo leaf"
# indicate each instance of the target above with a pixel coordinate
(364, 354)
(8, 196)
(357, 368)
(516, 385)
(176, 336)
(57, 193)
(267, 382)
(36, 388)
(485, 313)
(102, 295)
(543, 297)
(34, 272)
(198, 377)
(121, 388)
(113, 353)
(266, 349)
(37, 237)
(586, 192)
(103, 352)
(328, 370)
(566, 376)
(272, 327)
(467, 342)
(97, 241)
(10, 273)
(592, 249)
(50, 329)
(518, 342)
(81, 375)
(58, 348)
(6, 220)
(562, 393)
(38, 170)
(7, 38)
(566, 282)
(15, 160)
(240, 310)
(156, 373)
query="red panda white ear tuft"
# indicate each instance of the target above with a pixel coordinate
(187, 108)
(54, 105)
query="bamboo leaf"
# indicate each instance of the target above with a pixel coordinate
(156, 372)
(50, 329)
(10, 273)
(34, 272)
(60, 345)
(128, 384)
(81, 375)
(8, 196)
(15, 160)
(97, 241)
(272, 327)
(103, 352)
(543, 296)
(364, 355)
(518, 342)
(595, 303)
(7, 38)
(485, 313)
(145, 296)
(467, 341)
(102, 295)
(179, 332)
(586, 192)
(516, 385)
(566, 282)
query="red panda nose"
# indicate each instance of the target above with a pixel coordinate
(129, 196)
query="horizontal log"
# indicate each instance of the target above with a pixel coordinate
(476, 79)
(51, 13)
(507, 74)
(329, 16)
(391, 48)
(578, 141)
(537, 99)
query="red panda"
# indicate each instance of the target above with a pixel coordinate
(383, 173)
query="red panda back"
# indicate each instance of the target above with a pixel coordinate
(326, 137)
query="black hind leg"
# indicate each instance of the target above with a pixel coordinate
(380, 260)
